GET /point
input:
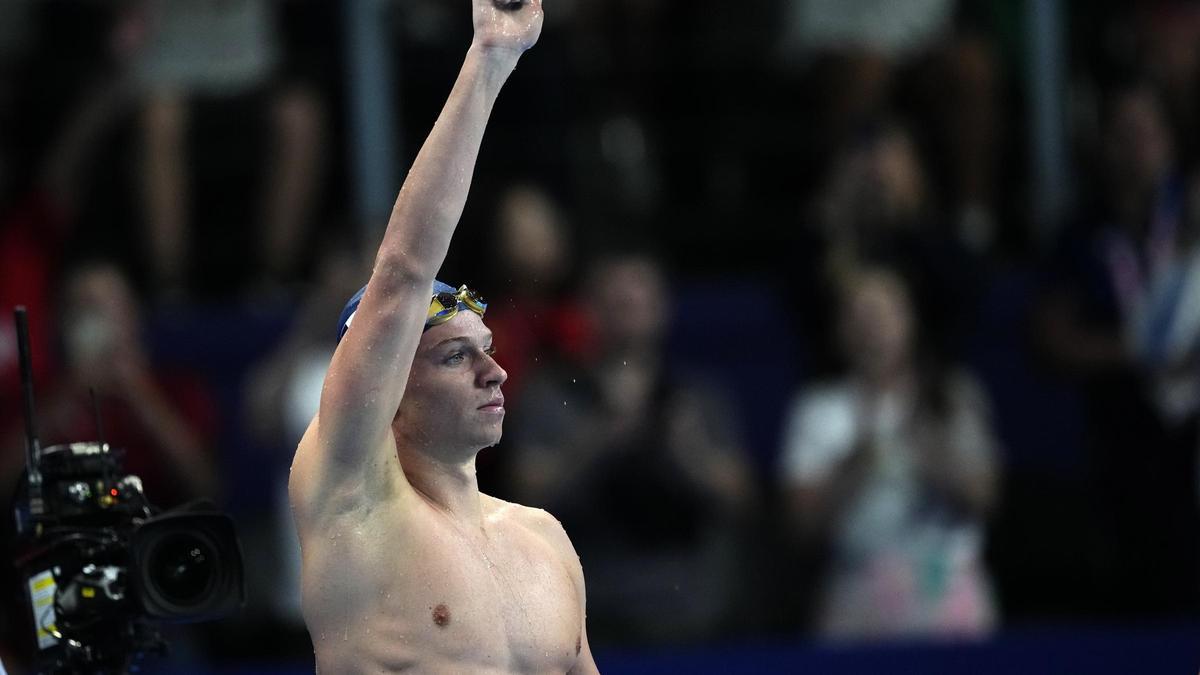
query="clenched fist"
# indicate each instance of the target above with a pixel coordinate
(507, 24)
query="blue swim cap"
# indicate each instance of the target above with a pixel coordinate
(352, 306)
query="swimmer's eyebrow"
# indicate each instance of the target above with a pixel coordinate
(463, 338)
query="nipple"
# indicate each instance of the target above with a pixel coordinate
(441, 616)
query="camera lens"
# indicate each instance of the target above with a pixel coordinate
(187, 566)
(183, 568)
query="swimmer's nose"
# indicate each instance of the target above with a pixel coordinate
(492, 375)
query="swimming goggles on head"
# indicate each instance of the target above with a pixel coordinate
(445, 305)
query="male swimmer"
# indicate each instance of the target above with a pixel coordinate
(407, 566)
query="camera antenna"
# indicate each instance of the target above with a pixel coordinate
(108, 479)
(33, 449)
(96, 414)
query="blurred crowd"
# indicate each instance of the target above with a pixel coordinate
(789, 352)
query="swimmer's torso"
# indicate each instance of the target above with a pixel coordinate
(399, 587)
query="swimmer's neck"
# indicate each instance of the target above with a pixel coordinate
(449, 486)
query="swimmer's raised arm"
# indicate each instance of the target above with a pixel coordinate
(370, 368)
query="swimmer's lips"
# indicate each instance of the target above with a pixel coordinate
(496, 405)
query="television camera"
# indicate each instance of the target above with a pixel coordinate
(102, 567)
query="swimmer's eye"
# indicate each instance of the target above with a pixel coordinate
(455, 358)
(490, 351)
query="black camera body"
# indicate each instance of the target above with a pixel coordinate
(102, 565)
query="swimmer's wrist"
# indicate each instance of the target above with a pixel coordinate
(499, 59)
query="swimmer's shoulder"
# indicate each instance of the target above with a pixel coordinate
(538, 521)
(500, 510)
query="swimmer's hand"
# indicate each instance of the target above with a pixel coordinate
(507, 25)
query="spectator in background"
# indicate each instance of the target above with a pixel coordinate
(891, 470)
(662, 559)
(958, 100)
(208, 62)
(1169, 40)
(533, 317)
(876, 196)
(1121, 314)
(163, 419)
(875, 204)
(533, 321)
(928, 59)
(39, 212)
(858, 46)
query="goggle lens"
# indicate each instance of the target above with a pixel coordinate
(444, 306)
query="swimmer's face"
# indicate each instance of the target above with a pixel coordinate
(453, 397)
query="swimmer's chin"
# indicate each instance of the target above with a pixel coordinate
(487, 435)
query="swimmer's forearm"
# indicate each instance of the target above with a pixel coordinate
(434, 193)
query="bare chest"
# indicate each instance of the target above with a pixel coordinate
(428, 594)
(515, 592)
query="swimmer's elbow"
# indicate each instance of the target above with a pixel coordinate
(406, 264)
